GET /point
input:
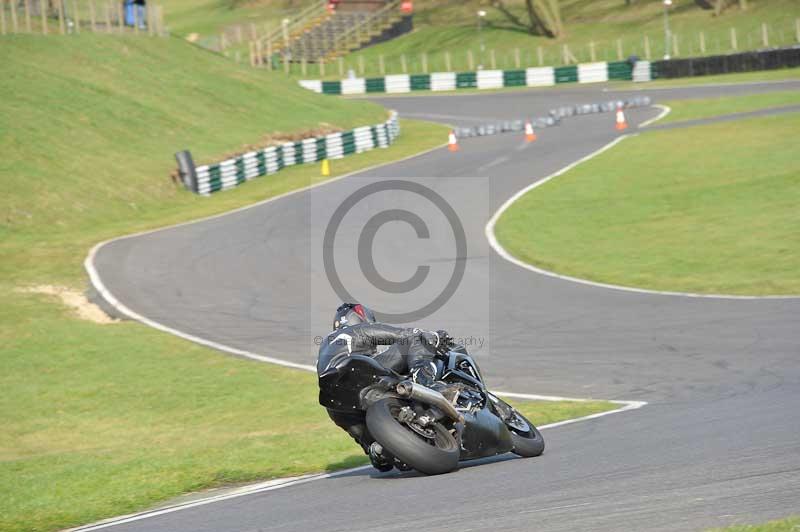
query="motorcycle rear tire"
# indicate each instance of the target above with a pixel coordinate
(410, 447)
(527, 444)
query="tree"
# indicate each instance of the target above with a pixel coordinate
(542, 17)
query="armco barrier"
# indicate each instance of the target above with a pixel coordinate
(233, 172)
(642, 71)
(489, 79)
(466, 80)
(566, 74)
(398, 83)
(481, 79)
(592, 72)
(582, 73)
(443, 81)
(623, 69)
(726, 64)
(420, 82)
(540, 77)
(354, 86)
(513, 78)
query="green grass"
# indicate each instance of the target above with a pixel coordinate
(96, 122)
(210, 17)
(709, 107)
(790, 524)
(707, 209)
(100, 420)
(451, 26)
(545, 412)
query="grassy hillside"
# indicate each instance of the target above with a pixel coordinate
(90, 125)
(451, 26)
(210, 17)
(107, 114)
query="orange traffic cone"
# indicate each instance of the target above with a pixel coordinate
(452, 142)
(621, 122)
(530, 136)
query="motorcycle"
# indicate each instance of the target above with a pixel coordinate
(429, 429)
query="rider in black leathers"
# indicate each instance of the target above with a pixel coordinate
(405, 351)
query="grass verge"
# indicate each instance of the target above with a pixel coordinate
(100, 420)
(790, 524)
(707, 209)
(709, 107)
(545, 412)
(210, 17)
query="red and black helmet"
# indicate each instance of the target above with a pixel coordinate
(349, 314)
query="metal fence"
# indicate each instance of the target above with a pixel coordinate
(720, 40)
(74, 16)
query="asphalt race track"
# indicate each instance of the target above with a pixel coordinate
(719, 442)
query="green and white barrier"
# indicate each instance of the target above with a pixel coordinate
(233, 172)
(485, 79)
(489, 79)
(642, 71)
(443, 81)
(540, 77)
(592, 72)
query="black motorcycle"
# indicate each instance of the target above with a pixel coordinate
(429, 429)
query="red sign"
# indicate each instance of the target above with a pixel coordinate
(407, 7)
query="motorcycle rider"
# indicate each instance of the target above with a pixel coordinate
(405, 351)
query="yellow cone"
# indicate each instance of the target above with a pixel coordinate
(326, 168)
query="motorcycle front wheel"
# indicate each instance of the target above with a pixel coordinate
(526, 438)
(432, 450)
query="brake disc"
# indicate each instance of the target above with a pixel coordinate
(518, 423)
(409, 418)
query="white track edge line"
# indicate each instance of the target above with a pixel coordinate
(626, 405)
(277, 484)
(97, 282)
(500, 250)
(665, 110)
(260, 487)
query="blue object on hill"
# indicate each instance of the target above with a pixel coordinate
(130, 12)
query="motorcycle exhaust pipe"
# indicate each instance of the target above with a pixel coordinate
(424, 394)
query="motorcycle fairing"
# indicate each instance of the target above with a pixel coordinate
(341, 385)
(484, 435)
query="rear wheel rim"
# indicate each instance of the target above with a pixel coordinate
(435, 435)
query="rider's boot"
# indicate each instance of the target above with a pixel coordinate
(379, 460)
